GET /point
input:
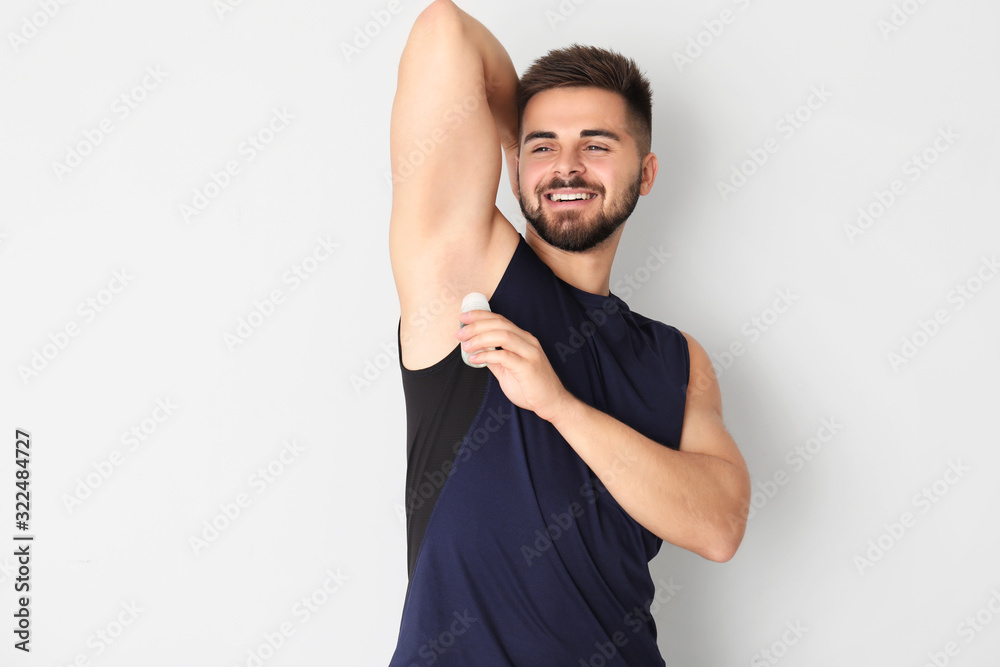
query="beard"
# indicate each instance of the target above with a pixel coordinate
(573, 230)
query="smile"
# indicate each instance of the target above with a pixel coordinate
(570, 196)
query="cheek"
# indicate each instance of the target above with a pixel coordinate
(529, 178)
(604, 171)
(616, 181)
(605, 179)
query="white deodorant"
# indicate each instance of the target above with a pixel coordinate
(473, 301)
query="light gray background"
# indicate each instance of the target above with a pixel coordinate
(336, 507)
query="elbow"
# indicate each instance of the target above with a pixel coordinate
(440, 14)
(726, 535)
(722, 549)
(439, 31)
(717, 540)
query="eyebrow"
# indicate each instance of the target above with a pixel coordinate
(583, 134)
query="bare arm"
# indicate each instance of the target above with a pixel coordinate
(696, 497)
(454, 106)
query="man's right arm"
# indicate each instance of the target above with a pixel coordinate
(454, 109)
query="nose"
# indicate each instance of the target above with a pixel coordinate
(568, 164)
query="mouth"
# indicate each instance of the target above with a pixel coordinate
(570, 197)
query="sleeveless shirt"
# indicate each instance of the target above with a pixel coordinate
(517, 553)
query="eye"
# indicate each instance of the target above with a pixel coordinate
(600, 148)
(540, 148)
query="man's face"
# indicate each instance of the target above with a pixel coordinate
(575, 143)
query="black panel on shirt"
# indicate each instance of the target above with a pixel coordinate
(434, 434)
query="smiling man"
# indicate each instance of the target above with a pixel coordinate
(539, 488)
(581, 216)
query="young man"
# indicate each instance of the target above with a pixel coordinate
(538, 488)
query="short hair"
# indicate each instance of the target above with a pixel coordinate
(590, 66)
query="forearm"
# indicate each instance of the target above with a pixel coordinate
(692, 500)
(695, 497)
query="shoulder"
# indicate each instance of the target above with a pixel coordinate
(694, 348)
(703, 385)
(668, 335)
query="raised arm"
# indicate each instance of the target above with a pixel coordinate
(454, 109)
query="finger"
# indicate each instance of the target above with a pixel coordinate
(517, 341)
(498, 358)
(482, 321)
(476, 315)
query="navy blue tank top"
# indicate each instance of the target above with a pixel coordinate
(518, 555)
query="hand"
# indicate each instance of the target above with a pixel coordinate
(521, 367)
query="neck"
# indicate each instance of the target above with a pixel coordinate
(589, 271)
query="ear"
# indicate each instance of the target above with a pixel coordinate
(650, 165)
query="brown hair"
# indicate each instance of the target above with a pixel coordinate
(580, 66)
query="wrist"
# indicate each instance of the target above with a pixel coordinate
(564, 410)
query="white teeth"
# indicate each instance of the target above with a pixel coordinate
(570, 197)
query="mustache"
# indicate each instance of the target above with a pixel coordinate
(576, 183)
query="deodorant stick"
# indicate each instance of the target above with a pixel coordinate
(473, 301)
